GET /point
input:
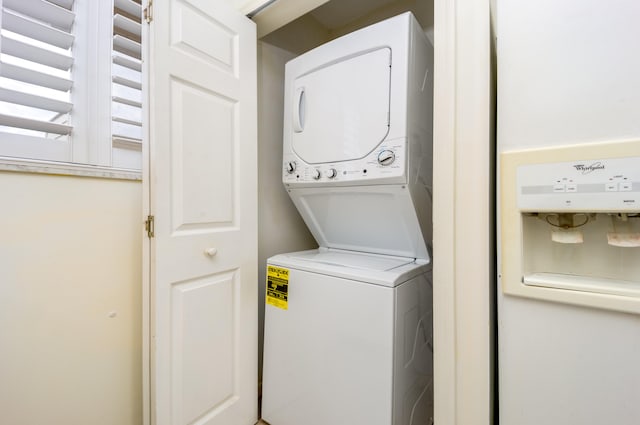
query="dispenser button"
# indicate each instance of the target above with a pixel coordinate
(611, 187)
(626, 186)
(572, 188)
(558, 188)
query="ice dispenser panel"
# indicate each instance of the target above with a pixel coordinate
(570, 224)
(609, 185)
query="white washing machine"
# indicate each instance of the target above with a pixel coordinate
(348, 327)
(353, 345)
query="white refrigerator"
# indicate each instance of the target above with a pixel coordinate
(568, 132)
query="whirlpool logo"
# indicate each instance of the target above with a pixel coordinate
(587, 169)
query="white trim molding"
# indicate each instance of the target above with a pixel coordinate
(66, 169)
(463, 215)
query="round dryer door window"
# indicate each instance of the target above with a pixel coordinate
(341, 110)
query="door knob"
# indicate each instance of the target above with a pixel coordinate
(210, 252)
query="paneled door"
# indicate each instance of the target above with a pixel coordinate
(202, 193)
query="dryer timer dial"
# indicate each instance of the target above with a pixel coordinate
(290, 167)
(386, 157)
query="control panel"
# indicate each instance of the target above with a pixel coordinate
(590, 185)
(387, 161)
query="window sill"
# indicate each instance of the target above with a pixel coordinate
(67, 169)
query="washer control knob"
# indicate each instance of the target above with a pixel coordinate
(290, 167)
(386, 157)
(315, 174)
(331, 173)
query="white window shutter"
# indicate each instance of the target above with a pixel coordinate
(71, 81)
(36, 58)
(126, 78)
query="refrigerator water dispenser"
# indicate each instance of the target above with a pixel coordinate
(570, 224)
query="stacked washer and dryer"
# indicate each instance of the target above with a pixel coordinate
(348, 326)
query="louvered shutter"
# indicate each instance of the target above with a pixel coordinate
(126, 105)
(36, 46)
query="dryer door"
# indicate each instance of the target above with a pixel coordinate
(341, 110)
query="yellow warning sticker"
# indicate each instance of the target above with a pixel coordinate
(277, 287)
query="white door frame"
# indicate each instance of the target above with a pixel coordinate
(463, 214)
(463, 266)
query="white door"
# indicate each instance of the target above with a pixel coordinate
(203, 194)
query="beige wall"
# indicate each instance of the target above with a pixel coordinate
(300, 35)
(70, 300)
(422, 9)
(306, 33)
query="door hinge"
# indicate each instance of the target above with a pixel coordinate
(149, 226)
(148, 12)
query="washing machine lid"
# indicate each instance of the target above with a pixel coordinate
(380, 219)
(354, 260)
(341, 110)
(368, 268)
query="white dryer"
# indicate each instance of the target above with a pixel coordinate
(348, 327)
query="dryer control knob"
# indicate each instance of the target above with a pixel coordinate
(331, 173)
(386, 157)
(290, 167)
(315, 174)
